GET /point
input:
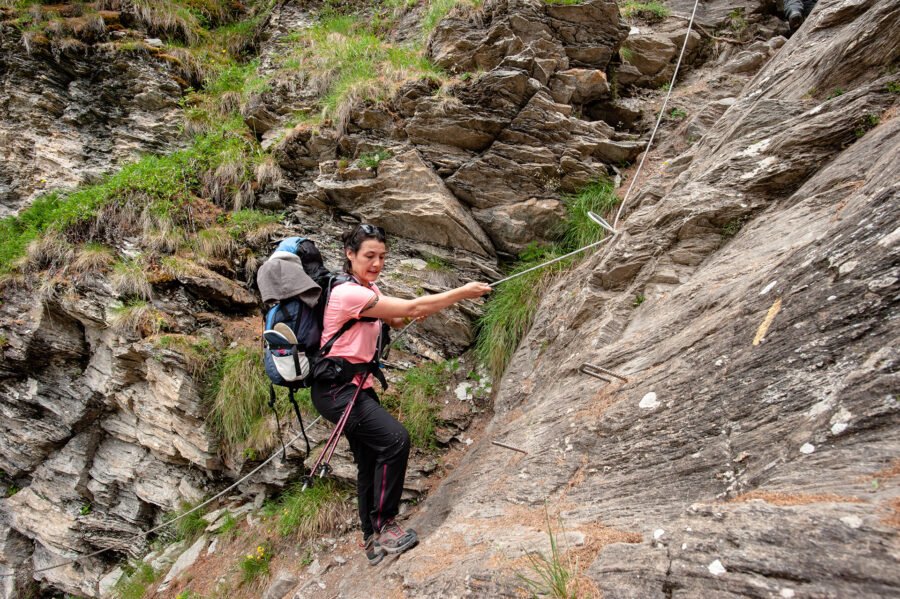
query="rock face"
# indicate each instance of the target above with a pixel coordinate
(67, 117)
(759, 422)
(101, 459)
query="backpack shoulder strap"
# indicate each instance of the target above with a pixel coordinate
(346, 327)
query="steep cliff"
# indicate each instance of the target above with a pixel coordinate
(749, 299)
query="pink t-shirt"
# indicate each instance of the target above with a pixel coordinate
(357, 345)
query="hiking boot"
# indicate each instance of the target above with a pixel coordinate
(394, 539)
(795, 19)
(374, 552)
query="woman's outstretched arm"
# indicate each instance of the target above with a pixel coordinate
(387, 307)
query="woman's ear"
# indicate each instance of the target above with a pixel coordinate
(349, 254)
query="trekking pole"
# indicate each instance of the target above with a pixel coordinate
(331, 445)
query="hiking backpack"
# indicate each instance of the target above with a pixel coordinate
(294, 277)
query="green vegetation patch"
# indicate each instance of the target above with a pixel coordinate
(439, 9)
(414, 400)
(649, 11)
(346, 61)
(256, 564)
(134, 583)
(510, 308)
(162, 187)
(238, 395)
(189, 527)
(551, 575)
(311, 513)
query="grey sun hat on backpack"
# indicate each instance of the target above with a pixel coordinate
(282, 276)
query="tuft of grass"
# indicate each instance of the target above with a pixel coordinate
(268, 173)
(437, 264)
(49, 251)
(137, 316)
(626, 53)
(191, 526)
(253, 226)
(678, 114)
(413, 401)
(835, 93)
(639, 299)
(238, 396)
(737, 21)
(439, 9)
(168, 18)
(309, 514)
(553, 575)
(510, 310)
(893, 87)
(578, 230)
(198, 353)
(93, 257)
(134, 583)
(129, 279)
(229, 527)
(214, 243)
(649, 11)
(256, 564)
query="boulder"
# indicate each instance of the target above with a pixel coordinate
(531, 35)
(407, 198)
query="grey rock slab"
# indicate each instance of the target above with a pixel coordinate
(184, 561)
(106, 586)
(281, 586)
(409, 199)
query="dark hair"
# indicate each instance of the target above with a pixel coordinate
(353, 239)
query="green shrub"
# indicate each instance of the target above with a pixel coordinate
(678, 114)
(373, 159)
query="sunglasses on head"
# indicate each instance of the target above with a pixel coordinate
(368, 229)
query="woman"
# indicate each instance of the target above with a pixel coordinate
(379, 443)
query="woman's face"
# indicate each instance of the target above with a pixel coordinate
(368, 261)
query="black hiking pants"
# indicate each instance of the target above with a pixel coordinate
(380, 447)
